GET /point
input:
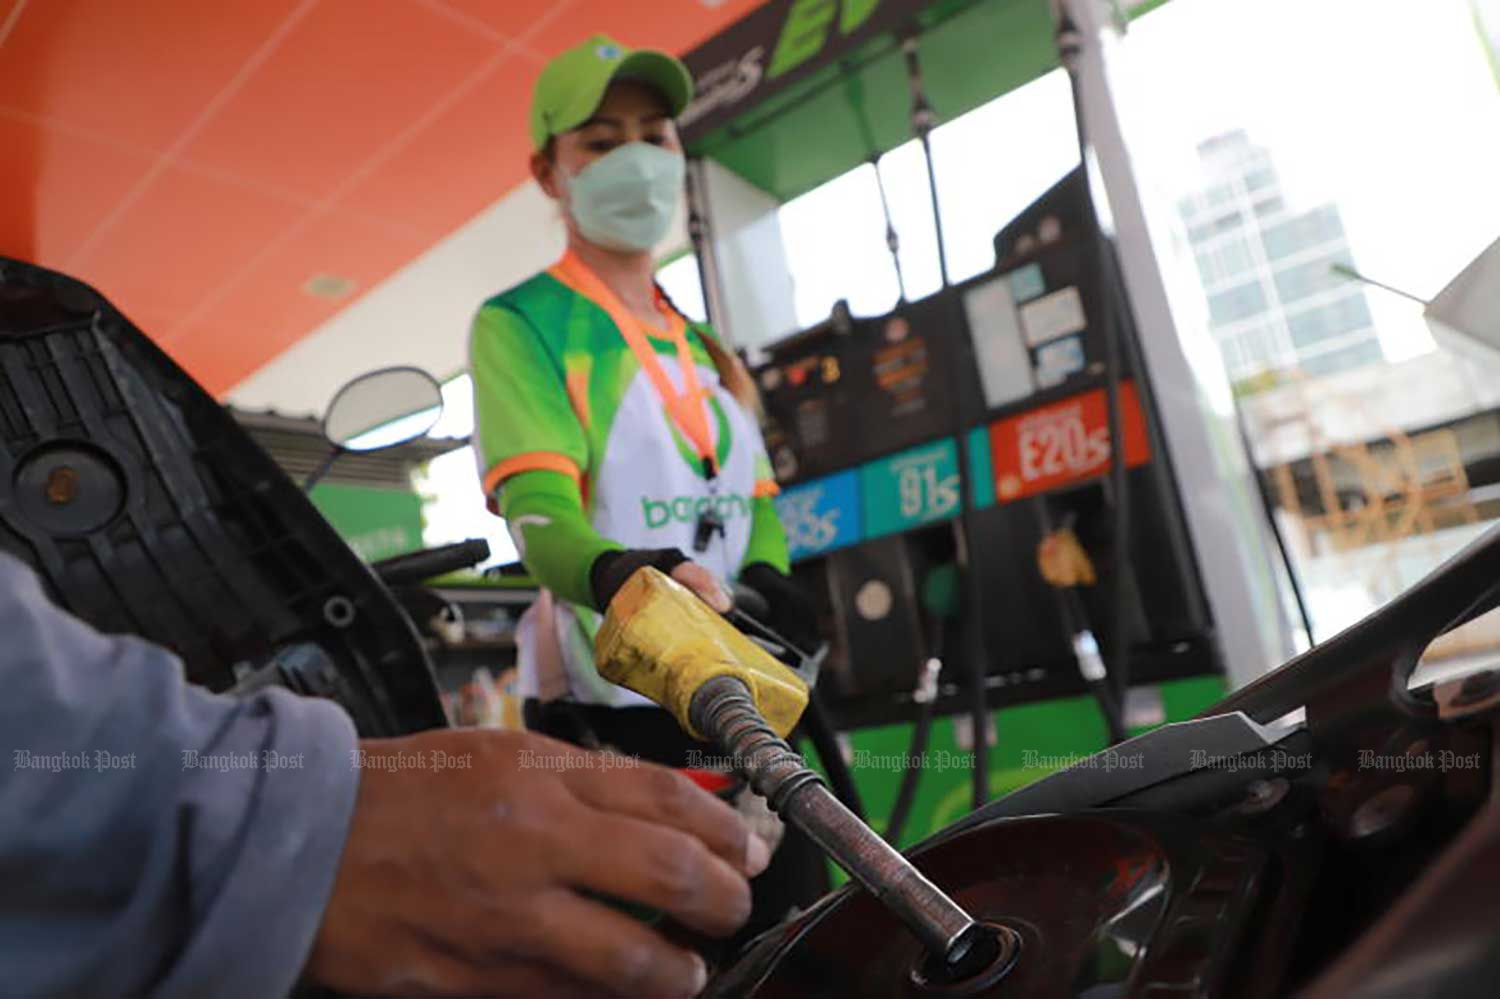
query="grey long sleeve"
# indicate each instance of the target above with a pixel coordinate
(125, 872)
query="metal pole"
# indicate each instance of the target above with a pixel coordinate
(322, 469)
(892, 240)
(1344, 270)
(923, 120)
(700, 232)
(856, 93)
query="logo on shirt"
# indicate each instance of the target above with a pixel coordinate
(687, 509)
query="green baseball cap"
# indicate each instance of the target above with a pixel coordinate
(571, 86)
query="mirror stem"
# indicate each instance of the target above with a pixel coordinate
(322, 470)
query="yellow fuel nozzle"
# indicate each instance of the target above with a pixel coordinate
(660, 640)
(663, 642)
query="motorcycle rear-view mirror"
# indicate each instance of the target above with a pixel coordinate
(382, 409)
(377, 410)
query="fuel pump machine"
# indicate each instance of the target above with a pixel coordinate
(951, 488)
(863, 417)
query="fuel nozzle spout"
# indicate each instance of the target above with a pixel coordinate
(723, 711)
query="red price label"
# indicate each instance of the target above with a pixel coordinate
(1064, 442)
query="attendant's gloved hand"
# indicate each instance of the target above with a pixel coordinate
(791, 611)
(611, 569)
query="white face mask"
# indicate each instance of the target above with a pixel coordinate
(625, 199)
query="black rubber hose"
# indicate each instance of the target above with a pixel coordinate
(1110, 706)
(941, 599)
(911, 777)
(815, 724)
(819, 730)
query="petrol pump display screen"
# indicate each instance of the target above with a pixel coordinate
(834, 398)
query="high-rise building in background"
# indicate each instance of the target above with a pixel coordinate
(1275, 303)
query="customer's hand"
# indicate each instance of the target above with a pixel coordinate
(467, 880)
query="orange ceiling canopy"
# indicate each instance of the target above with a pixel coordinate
(231, 174)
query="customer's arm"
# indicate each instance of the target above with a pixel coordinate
(126, 871)
(452, 866)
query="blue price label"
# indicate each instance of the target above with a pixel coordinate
(911, 488)
(821, 515)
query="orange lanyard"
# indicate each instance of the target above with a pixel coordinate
(687, 409)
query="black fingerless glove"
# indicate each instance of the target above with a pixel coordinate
(611, 569)
(791, 611)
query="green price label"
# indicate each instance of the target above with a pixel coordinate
(910, 488)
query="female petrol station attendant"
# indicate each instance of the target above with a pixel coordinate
(612, 432)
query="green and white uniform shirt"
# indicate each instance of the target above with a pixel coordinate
(558, 387)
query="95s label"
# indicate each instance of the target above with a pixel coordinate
(1064, 442)
(821, 515)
